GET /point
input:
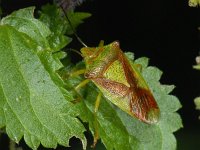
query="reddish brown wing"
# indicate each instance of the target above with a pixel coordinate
(143, 105)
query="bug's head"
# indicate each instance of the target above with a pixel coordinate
(92, 54)
(88, 52)
(101, 52)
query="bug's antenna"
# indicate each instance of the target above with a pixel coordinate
(73, 30)
(73, 50)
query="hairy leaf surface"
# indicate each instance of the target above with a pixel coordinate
(33, 102)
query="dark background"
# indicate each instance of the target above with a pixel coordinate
(164, 31)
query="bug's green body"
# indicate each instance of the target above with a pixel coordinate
(121, 83)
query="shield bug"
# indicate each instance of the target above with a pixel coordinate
(120, 82)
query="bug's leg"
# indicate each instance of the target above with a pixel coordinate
(72, 74)
(96, 128)
(76, 73)
(139, 67)
(83, 83)
(76, 90)
(101, 43)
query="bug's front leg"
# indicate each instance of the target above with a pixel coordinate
(73, 74)
(77, 73)
(76, 90)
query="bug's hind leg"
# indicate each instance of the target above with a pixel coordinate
(96, 128)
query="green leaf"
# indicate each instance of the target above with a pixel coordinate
(33, 102)
(197, 102)
(54, 18)
(76, 18)
(197, 67)
(117, 129)
(24, 21)
(194, 3)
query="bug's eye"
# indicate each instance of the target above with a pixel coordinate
(91, 74)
